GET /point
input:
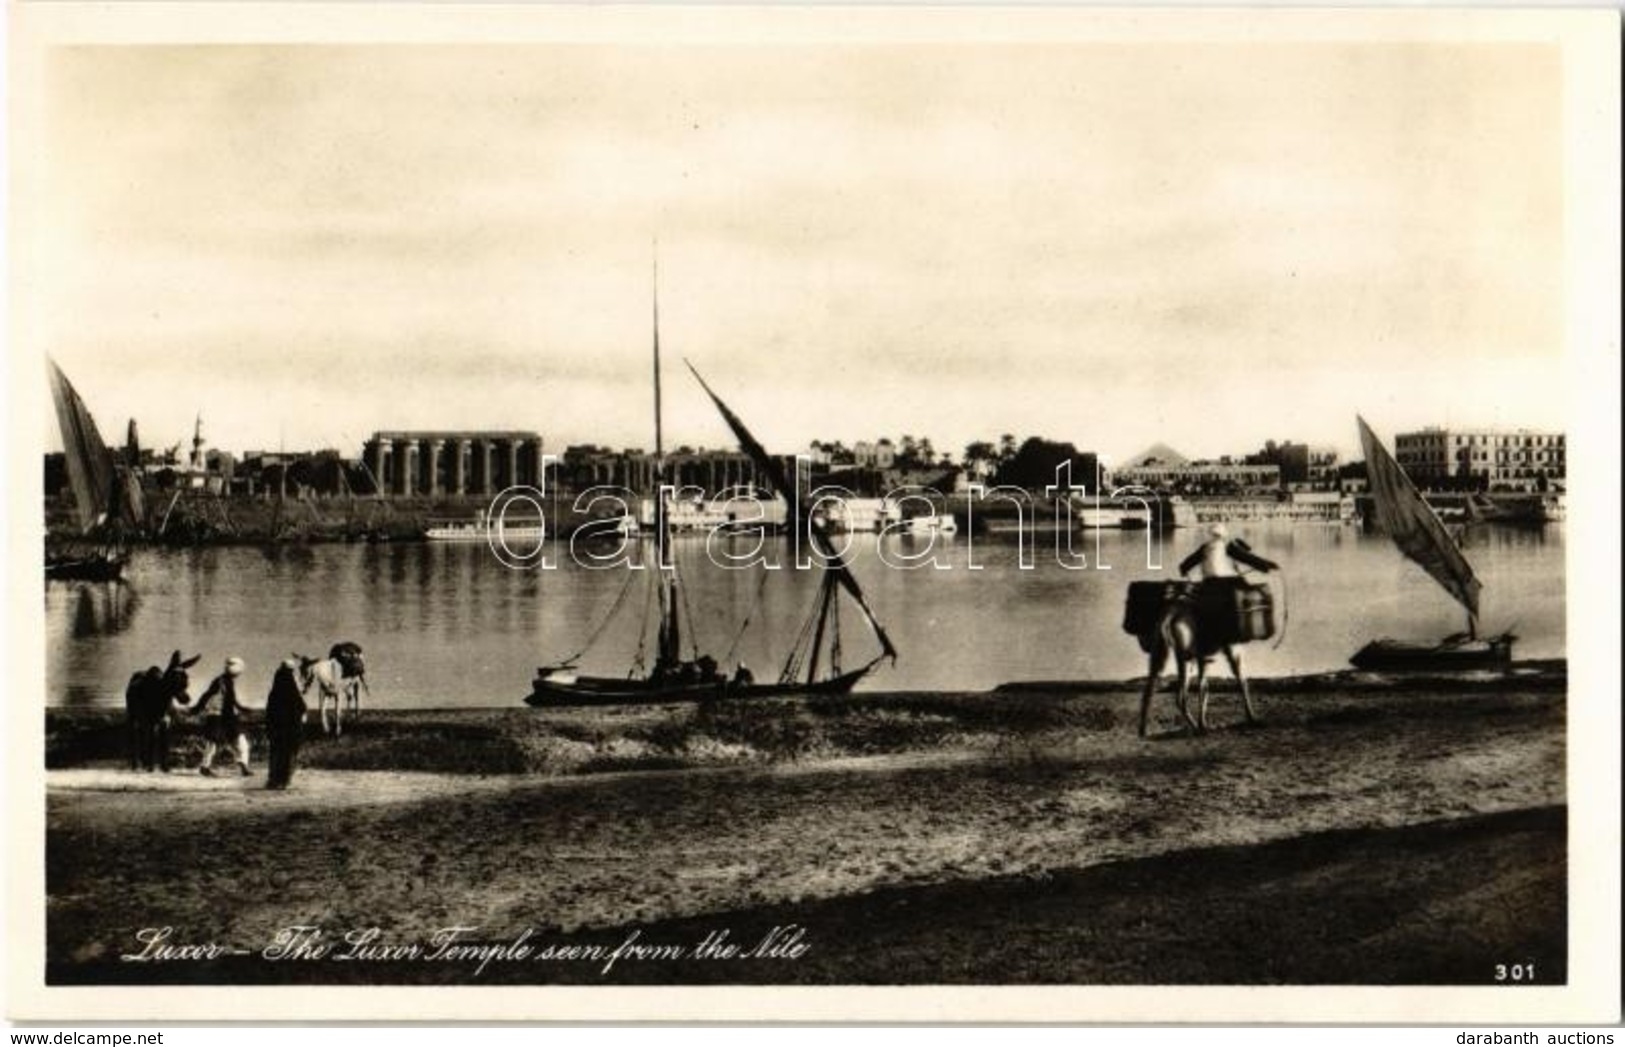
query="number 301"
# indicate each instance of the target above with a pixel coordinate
(1515, 972)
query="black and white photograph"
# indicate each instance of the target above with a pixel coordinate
(1112, 510)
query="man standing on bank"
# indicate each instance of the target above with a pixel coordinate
(1219, 555)
(284, 724)
(225, 728)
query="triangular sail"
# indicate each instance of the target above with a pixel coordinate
(90, 463)
(771, 470)
(132, 505)
(1403, 515)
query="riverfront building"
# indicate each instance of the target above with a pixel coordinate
(1483, 459)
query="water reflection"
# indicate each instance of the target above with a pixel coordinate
(446, 624)
(101, 608)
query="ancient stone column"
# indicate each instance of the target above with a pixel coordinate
(431, 475)
(406, 467)
(483, 462)
(536, 479)
(459, 466)
(512, 476)
(379, 464)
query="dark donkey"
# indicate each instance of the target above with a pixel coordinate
(1191, 637)
(1192, 622)
(147, 702)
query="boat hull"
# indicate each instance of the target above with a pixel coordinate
(554, 691)
(1448, 656)
(97, 568)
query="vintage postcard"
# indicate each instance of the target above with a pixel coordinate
(678, 513)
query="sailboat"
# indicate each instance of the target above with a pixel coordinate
(1401, 513)
(812, 666)
(107, 499)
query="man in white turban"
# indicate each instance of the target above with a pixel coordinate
(225, 727)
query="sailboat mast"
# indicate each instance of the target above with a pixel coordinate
(670, 632)
(660, 450)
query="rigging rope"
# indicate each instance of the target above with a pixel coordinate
(1281, 636)
(835, 639)
(740, 635)
(614, 609)
(639, 666)
(798, 654)
(688, 611)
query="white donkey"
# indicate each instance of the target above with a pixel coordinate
(341, 675)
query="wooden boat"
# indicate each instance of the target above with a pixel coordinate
(1451, 654)
(1400, 512)
(93, 566)
(107, 498)
(676, 677)
(555, 688)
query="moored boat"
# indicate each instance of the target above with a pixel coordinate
(813, 664)
(92, 566)
(1452, 654)
(481, 529)
(934, 523)
(1400, 511)
(107, 496)
(1114, 517)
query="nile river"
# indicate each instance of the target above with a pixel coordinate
(448, 625)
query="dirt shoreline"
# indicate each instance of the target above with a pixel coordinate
(1365, 835)
(1388, 905)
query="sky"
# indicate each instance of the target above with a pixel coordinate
(1115, 244)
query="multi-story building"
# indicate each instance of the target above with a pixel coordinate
(1303, 468)
(1524, 460)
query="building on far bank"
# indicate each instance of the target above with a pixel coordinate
(1303, 468)
(434, 463)
(1162, 468)
(1483, 459)
(882, 454)
(585, 465)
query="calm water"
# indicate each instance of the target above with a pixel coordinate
(447, 625)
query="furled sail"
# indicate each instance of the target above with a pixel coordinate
(90, 463)
(773, 472)
(1403, 515)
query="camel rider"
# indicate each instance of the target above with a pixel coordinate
(226, 728)
(1219, 555)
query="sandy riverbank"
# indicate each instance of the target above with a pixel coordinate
(1365, 833)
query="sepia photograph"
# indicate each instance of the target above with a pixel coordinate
(687, 513)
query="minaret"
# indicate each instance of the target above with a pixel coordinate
(198, 464)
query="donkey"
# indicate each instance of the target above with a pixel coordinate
(147, 702)
(1179, 631)
(339, 678)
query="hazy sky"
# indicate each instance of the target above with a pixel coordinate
(1113, 244)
